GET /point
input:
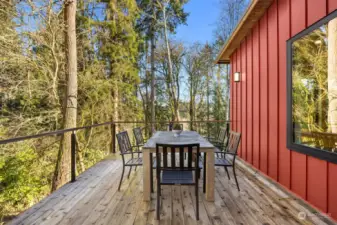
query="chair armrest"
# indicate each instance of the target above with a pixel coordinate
(210, 138)
(227, 153)
(126, 153)
(137, 152)
(129, 153)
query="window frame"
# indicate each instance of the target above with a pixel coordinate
(311, 151)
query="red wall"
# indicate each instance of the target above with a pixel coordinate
(258, 103)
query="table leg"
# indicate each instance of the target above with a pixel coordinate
(146, 176)
(210, 173)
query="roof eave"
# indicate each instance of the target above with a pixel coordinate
(255, 11)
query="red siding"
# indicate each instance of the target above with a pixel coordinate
(332, 5)
(317, 183)
(298, 161)
(317, 170)
(298, 22)
(256, 97)
(316, 10)
(238, 92)
(284, 153)
(231, 95)
(299, 174)
(249, 100)
(264, 95)
(273, 90)
(259, 103)
(234, 94)
(332, 193)
(244, 100)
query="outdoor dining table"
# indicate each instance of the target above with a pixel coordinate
(186, 137)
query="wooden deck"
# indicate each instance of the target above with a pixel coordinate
(94, 199)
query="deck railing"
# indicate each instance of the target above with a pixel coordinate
(206, 128)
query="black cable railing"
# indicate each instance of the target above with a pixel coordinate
(113, 125)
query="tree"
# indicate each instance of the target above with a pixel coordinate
(171, 77)
(231, 12)
(172, 15)
(196, 66)
(62, 170)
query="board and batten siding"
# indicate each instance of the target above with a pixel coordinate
(258, 103)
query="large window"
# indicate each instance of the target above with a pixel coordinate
(312, 90)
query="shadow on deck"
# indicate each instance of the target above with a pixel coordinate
(94, 199)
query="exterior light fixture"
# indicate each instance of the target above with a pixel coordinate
(237, 77)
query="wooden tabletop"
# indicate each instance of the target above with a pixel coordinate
(186, 137)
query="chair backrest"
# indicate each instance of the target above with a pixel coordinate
(223, 135)
(169, 161)
(233, 143)
(137, 132)
(124, 142)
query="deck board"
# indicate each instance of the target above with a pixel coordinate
(94, 199)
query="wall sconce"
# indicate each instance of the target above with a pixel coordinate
(237, 77)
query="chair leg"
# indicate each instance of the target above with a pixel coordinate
(151, 180)
(197, 201)
(204, 176)
(120, 182)
(151, 172)
(158, 203)
(129, 171)
(236, 181)
(227, 173)
(135, 168)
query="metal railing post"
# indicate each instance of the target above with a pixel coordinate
(208, 134)
(73, 156)
(113, 138)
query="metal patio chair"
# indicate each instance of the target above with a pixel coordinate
(232, 149)
(221, 159)
(126, 149)
(170, 171)
(140, 141)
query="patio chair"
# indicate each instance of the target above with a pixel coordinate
(170, 171)
(126, 149)
(232, 148)
(140, 141)
(222, 143)
(220, 157)
(223, 134)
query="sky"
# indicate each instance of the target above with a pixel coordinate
(201, 21)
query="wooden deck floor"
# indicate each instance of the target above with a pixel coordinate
(94, 199)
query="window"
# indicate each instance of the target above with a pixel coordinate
(312, 90)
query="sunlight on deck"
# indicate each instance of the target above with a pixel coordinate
(94, 199)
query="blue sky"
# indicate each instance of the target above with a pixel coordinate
(201, 21)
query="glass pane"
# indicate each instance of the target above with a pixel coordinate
(314, 90)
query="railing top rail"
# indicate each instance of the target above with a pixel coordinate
(59, 132)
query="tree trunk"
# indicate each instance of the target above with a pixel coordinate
(332, 74)
(153, 81)
(170, 68)
(191, 103)
(115, 96)
(62, 170)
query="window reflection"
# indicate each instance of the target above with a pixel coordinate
(314, 90)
